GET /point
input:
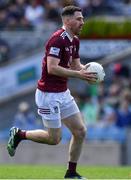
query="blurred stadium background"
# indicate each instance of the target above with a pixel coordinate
(25, 25)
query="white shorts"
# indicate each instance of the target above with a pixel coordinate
(55, 106)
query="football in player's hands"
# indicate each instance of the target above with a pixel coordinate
(96, 68)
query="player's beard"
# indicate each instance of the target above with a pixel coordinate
(76, 31)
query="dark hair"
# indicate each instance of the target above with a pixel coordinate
(70, 10)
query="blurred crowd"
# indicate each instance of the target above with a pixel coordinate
(32, 15)
(29, 14)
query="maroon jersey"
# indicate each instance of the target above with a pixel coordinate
(61, 46)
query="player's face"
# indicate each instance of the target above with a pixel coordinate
(76, 22)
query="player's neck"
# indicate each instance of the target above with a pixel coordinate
(68, 31)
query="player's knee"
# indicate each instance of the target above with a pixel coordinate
(55, 140)
(81, 133)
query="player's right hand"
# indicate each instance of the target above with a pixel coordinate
(88, 76)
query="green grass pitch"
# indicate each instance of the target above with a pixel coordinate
(57, 172)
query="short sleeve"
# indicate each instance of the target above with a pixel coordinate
(76, 50)
(55, 46)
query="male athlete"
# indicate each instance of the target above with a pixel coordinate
(55, 103)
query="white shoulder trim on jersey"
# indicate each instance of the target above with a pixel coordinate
(65, 33)
(76, 37)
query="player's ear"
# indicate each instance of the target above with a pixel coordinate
(67, 20)
(64, 19)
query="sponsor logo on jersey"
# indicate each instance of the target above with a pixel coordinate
(54, 51)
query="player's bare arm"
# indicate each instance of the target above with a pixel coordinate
(76, 64)
(55, 69)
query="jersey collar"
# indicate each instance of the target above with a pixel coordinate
(69, 37)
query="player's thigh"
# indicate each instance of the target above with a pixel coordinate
(54, 135)
(75, 123)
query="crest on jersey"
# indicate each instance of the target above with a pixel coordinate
(71, 48)
(67, 49)
(55, 109)
(54, 51)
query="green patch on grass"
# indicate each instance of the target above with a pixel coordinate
(57, 172)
